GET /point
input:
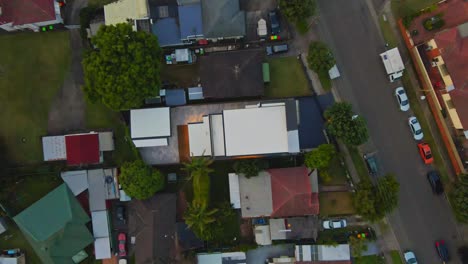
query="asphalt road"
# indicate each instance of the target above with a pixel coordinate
(349, 29)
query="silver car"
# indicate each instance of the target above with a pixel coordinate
(402, 99)
(415, 128)
(334, 224)
(410, 258)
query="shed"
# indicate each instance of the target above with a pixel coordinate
(266, 72)
(82, 149)
(77, 181)
(262, 235)
(195, 93)
(175, 97)
(150, 127)
(182, 55)
(53, 148)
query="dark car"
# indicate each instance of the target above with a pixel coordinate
(436, 184)
(371, 163)
(274, 23)
(442, 250)
(121, 213)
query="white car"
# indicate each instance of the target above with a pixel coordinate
(415, 128)
(402, 99)
(410, 258)
(334, 224)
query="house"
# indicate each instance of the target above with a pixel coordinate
(101, 185)
(223, 19)
(276, 193)
(222, 258)
(323, 254)
(55, 227)
(29, 14)
(232, 74)
(77, 149)
(153, 225)
(126, 11)
(12, 256)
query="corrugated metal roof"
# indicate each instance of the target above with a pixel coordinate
(120, 11)
(190, 20)
(53, 148)
(97, 197)
(195, 93)
(167, 31)
(106, 141)
(175, 97)
(77, 181)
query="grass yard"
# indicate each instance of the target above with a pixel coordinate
(288, 78)
(99, 116)
(387, 32)
(359, 163)
(337, 172)
(13, 238)
(396, 258)
(403, 8)
(325, 80)
(32, 69)
(373, 259)
(182, 75)
(336, 203)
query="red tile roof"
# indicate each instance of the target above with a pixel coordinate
(22, 12)
(292, 192)
(454, 50)
(82, 149)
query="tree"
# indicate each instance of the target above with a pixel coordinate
(343, 124)
(320, 157)
(459, 199)
(298, 10)
(364, 201)
(249, 167)
(358, 246)
(200, 164)
(139, 180)
(199, 219)
(320, 57)
(124, 69)
(201, 187)
(387, 194)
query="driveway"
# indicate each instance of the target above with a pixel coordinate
(260, 254)
(67, 112)
(421, 218)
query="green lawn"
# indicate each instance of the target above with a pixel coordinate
(396, 258)
(288, 78)
(336, 203)
(373, 259)
(99, 116)
(325, 80)
(337, 172)
(359, 163)
(183, 75)
(406, 7)
(32, 69)
(13, 238)
(387, 32)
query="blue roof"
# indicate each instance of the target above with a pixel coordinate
(167, 31)
(190, 20)
(311, 123)
(175, 97)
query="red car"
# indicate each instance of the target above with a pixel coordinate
(122, 245)
(425, 152)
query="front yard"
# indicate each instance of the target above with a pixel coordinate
(32, 69)
(337, 172)
(404, 8)
(373, 259)
(336, 203)
(288, 78)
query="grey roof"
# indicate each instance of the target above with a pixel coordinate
(300, 228)
(187, 2)
(223, 18)
(106, 141)
(255, 195)
(97, 198)
(291, 114)
(77, 181)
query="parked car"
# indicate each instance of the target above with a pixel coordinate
(334, 224)
(434, 180)
(371, 163)
(120, 211)
(122, 244)
(402, 99)
(410, 258)
(274, 22)
(277, 49)
(425, 152)
(442, 250)
(415, 128)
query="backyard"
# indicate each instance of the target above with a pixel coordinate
(336, 203)
(32, 69)
(288, 78)
(182, 75)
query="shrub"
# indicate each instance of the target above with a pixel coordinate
(250, 167)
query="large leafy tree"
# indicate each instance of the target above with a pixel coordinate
(343, 124)
(298, 10)
(320, 57)
(199, 219)
(139, 180)
(124, 68)
(357, 245)
(320, 157)
(459, 199)
(198, 164)
(387, 194)
(364, 201)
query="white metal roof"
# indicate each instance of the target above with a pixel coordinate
(207, 258)
(77, 181)
(102, 248)
(262, 235)
(200, 138)
(9, 260)
(153, 142)
(100, 223)
(106, 141)
(392, 61)
(293, 141)
(253, 131)
(234, 193)
(54, 148)
(150, 123)
(277, 229)
(97, 196)
(333, 253)
(217, 135)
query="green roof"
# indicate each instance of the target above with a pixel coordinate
(55, 226)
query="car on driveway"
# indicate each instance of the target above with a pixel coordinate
(122, 244)
(334, 224)
(120, 212)
(425, 152)
(415, 128)
(442, 250)
(410, 258)
(402, 99)
(434, 180)
(274, 22)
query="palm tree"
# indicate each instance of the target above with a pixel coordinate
(198, 217)
(200, 164)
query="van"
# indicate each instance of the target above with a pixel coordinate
(280, 48)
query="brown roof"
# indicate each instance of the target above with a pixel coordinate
(232, 74)
(453, 46)
(22, 12)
